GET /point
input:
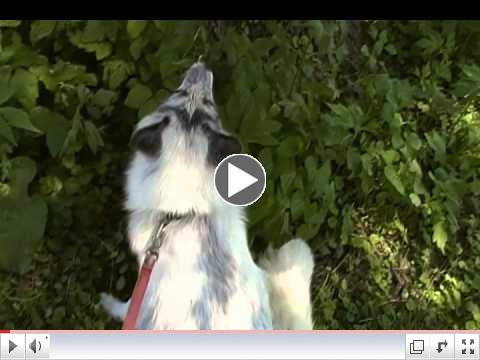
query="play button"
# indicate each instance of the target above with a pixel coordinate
(240, 179)
(11, 346)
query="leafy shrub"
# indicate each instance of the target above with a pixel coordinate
(369, 132)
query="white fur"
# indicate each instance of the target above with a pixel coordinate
(289, 274)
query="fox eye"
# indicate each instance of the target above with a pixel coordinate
(149, 139)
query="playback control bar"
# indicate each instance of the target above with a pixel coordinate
(322, 345)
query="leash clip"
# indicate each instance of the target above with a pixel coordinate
(151, 257)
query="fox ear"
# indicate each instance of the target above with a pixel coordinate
(220, 146)
(149, 139)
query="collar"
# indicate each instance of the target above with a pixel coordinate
(163, 220)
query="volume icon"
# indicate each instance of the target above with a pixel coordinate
(35, 346)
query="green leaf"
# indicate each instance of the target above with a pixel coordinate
(137, 96)
(93, 39)
(72, 134)
(104, 97)
(290, 147)
(437, 143)
(9, 23)
(255, 124)
(311, 165)
(17, 118)
(94, 139)
(62, 73)
(120, 284)
(353, 160)
(6, 131)
(148, 107)
(415, 199)
(25, 85)
(137, 47)
(94, 32)
(472, 72)
(440, 236)
(308, 231)
(41, 29)
(286, 181)
(116, 72)
(414, 141)
(101, 49)
(58, 316)
(22, 172)
(6, 90)
(54, 125)
(22, 225)
(390, 156)
(394, 179)
(322, 179)
(347, 224)
(297, 204)
(135, 27)
(344, 115)
(475, 187)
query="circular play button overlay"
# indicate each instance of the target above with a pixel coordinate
(240, 179)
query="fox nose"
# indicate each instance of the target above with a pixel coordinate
(198, 76)
(197, 73)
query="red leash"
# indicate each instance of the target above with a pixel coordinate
(151, 257)
(139, 292)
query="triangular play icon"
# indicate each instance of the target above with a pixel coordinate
(11, 346)
(238, 180)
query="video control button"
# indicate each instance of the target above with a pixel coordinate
(37, 346)
(240, 179)
(466, 346)
(12, 346)
(442, 346)
(417, 346)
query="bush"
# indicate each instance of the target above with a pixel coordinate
(369, 132)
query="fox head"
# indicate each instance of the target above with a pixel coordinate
(177, 148)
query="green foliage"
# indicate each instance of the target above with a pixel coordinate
(369, 132)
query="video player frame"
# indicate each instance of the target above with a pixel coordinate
(144, 344)
(237, 189)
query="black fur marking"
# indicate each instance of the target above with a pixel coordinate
(181, 114)
(220, 146)
(149, 139)
(199, 117)
(208, 102)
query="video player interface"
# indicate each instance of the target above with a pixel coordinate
(239, 189)
(334, 345)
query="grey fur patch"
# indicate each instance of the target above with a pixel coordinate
(261, 320)
(148, 314)
(144, 322)
(218, 265)
(201, 312)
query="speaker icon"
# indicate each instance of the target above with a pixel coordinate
(35, 346)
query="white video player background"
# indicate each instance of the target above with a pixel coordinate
(227, 346)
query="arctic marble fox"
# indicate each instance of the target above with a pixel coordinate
(205, 276)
